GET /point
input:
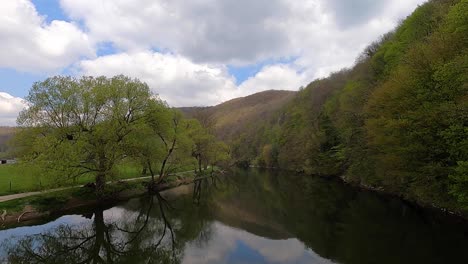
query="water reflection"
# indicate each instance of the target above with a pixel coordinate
(251, 217)
(132, 236)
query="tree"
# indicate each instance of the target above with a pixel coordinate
(205, 148)
(217, 155)
(81, 126)
(162, 144)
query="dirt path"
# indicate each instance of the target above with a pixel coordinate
(10, 197)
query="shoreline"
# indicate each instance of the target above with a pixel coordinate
(380, 190)
(30, 215)
(426, 206)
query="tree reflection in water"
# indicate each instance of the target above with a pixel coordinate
(145, 236)
(205, 183)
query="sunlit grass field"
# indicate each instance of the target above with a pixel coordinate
(30, 179)
(27, 178)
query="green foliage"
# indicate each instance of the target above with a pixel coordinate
(417, 118)
(78, 127)
(205, 148)
(397, 120)
(93, 128)
(161, 145)
(460, 179)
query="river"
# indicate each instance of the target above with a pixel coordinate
(252, 216)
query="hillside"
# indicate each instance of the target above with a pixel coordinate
(231, 118)
(397, 120)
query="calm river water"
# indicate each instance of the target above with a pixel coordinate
(250, 217)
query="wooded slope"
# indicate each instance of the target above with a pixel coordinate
(229, 119)
(397, 120)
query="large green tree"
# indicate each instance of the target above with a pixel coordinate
(162, 145)
(81, 126)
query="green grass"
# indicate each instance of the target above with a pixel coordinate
(29, 179)
(46, 201)
(56, 200)
(21, 179)
(26, 179)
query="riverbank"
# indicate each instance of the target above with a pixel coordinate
(462, 214)
(9, 197)
(452, 211)
(43, 207)
(19, 178)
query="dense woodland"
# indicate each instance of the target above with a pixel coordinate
(397, 120)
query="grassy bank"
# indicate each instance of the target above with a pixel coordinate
(27, 179)
(52, 201)
(42, 206)
(30, 179)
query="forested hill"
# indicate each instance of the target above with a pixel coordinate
(397, 120)
(229, 119)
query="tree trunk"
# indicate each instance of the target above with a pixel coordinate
(101, 175)
(199, 165)
(152, 184)
(100, 183)
(162, 172)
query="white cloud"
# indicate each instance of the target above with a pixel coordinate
(208, 35)
(276, 77)
(348, 13)
(324, 45)
(30, 44)
(10, 106)
(197, 40)
(182, 82)
(176, 79)
(241, 31)
(228, 31)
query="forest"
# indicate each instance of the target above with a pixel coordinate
(396, 121)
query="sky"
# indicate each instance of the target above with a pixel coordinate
(190, 53)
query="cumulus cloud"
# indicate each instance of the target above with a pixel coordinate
(10, 106)
(206, 36)
(176, 79)
(182, 82)
(183, 49)
(238, 32)
(30, 44)
(230, 31)
(348, 13)
(276, 77)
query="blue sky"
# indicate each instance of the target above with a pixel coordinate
(50, 9)
(190, 53)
